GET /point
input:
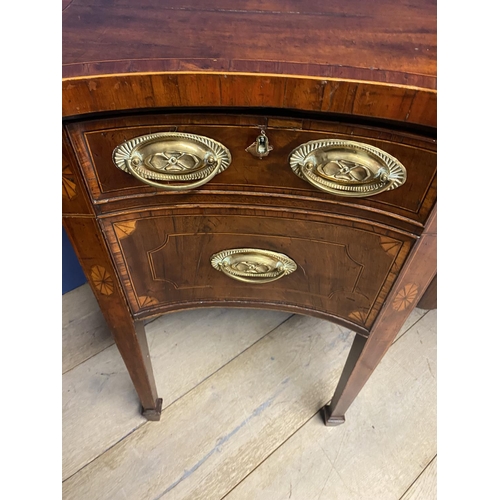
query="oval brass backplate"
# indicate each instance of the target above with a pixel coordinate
(253, 265)
(172, 157)
(347, 168)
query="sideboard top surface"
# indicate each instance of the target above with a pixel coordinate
(357, 57)
(388, 41)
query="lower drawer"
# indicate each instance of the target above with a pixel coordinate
(344, 269)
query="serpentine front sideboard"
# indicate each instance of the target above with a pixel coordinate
(252, 154)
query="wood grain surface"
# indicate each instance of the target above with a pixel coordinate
(74, 193)
(143, 460)
(370, 68)
(92, 251)
(202, 340)
(167, 257)
(84, 329)
(388, 41)
(374, 457)
(147, 91)
(366, 354)
(96, 140)
(230, 422)
(357, 58)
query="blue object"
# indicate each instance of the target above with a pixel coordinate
(72, 273)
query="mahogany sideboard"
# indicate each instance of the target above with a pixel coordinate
(277, 154)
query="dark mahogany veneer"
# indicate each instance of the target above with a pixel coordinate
(302, 71)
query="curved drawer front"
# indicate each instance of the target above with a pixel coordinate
(168, 260)
(390, 172)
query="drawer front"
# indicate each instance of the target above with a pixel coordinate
(95, 142)
(165, 259)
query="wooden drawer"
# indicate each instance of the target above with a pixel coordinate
(344, 268)
(95, 141)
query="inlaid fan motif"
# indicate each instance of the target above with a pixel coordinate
(405, 297)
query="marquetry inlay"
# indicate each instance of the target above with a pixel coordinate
(405, 297)
(102, 280)
(358, 316)
(390, 246)
(68, 183)
(146, 301)
(124, 229)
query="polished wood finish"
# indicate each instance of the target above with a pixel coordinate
(128, 334)
(74, 196)
(301, 70)
(366, 354)
(390, 41)
(356, 58)
(95, 141)
(89, 94)
(163, 258)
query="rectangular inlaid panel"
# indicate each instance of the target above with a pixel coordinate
(344, 269)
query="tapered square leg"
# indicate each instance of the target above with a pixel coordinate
(366, 353)
(128, 334)
(153, 414)
(347, 388)
(332, 421)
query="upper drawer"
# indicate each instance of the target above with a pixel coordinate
(248, 175)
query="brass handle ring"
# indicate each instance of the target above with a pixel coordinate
(347, 168)
(253, 265)
(173, 158)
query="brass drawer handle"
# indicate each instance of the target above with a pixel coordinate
(253, 265)
(347, 168)
(172, 157)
